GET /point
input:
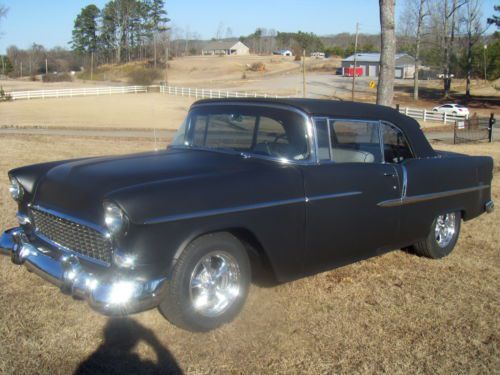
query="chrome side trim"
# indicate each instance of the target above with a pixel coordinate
(427, 197)
(223, 211)
(331, 196)
(249, 207)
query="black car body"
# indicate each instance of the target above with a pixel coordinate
(304, 185)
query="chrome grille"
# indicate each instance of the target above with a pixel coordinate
(73, 236)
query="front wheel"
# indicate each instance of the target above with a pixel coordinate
(209, 283)
(442, 237)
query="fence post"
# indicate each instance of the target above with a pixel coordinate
(406, 111)
(444, 118)
(397, 107)
(455, 133)
(491, 122)
(425, 115)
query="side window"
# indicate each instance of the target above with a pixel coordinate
(224, 131)
(355, 141)
(274, 139)
(396, 147)
(323, 138)
(271, 132)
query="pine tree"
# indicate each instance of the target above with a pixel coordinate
(157, 16)
(85, 31)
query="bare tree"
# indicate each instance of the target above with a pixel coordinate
(415, 13)
(220, 31)
(385, 89)
(474, 30)
(448, 11)
(3, 13)
(421, 14)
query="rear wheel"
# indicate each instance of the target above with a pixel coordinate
(209, 283)
(442, 237)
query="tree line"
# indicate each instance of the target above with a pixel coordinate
(123, 30)
(446, 35)
(450, 36)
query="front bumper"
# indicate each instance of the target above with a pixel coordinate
(106, 290)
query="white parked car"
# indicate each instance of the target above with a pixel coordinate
(452, 109)
(283, 52)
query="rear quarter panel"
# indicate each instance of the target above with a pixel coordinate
(447, 173)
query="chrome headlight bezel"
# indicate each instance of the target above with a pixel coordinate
(115, 219)
(16, 189)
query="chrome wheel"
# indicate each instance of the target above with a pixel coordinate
(445, 229)
(214, 284)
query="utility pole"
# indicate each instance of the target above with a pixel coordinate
(354, 69)
(304, 92)
(166, 66)
(46, 68)
(21, 70)
(92, 65)
(154, 49)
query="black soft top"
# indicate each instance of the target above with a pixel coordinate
(348, 110)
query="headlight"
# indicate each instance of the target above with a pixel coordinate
(16, 190)
(114, 218)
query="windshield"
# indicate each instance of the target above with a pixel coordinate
(265, 131)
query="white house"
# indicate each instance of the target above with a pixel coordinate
(225, 48)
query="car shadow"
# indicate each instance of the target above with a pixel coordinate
(115, 355)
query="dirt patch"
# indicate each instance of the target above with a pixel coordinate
(397, 313)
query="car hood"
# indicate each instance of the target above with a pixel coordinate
(82, 185)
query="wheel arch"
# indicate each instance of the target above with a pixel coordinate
(260, 262)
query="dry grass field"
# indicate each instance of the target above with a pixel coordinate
(128, 111)
(396, 314)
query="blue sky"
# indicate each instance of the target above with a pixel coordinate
(50, 22)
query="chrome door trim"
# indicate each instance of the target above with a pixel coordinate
(428, 197)
(331, 196)
(248, 207)
(223, 211)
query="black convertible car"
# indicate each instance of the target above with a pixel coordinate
(292, 186)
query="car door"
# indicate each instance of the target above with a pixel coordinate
(344, 222)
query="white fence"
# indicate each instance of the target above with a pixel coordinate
(87, 91)
(213, 93)
(427, 115)
(422, 114)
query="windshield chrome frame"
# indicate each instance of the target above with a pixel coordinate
(310, 133)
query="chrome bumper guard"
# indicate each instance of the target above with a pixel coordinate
(107, 291)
